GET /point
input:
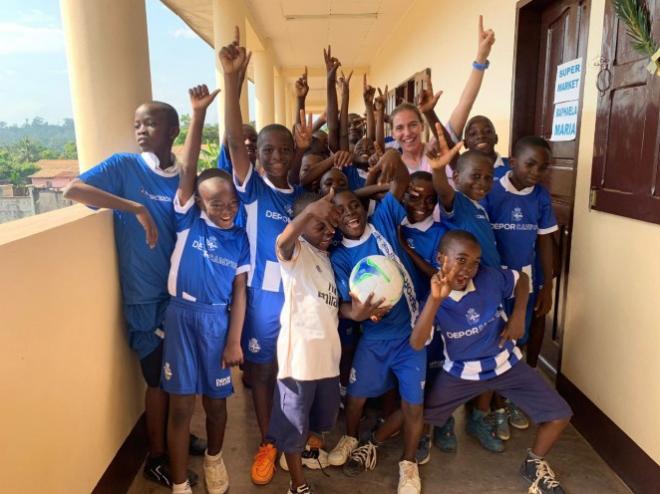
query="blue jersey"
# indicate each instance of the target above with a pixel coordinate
(206, 258)
(517, 218)
(471, 216)
(356, 176)
(500, 167)
(424, 238)
(470, 323)
(224, 163)
(268, 209)
(142, 271)
(380, 237)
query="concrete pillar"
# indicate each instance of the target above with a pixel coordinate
(280, 107)
(264, 87)
(108, 59)
(226, 15)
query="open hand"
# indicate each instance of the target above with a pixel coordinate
(331, 63)
(200, 98)
(544, 300)
(376, 156)
(369, 309)
(389, 163)
(442, 280)
(147, 222)
(486, 41)
(302, 88)
(368, 93)
(441, 156)
(342, 158)
(513, 330)
(427, 100)
(303, 131)
(233, 56)
(232, 356)
(325, 210)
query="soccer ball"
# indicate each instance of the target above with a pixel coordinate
(377, 274)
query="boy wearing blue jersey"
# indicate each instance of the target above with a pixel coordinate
(204, 318)
(383, 355)
(480, 136)
(269, 202)
(139, 188)
(465, 304)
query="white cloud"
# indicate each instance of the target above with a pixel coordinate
(18, 38)
(184, 32)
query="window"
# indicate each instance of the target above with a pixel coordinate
(625, 177)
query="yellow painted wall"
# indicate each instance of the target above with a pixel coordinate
(70, 386)
(612, 334)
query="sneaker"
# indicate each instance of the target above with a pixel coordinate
(197, 446)
(158, 470)
(500, 421)
(362, 458)
(477, 427)
(340, 453)
(215, 476)
(312, 458)
(444, 437)
(540, 475)
(301, 489)
(516, 416)
(423, 455)
(182, 488)
(263, 466)
(409, 481)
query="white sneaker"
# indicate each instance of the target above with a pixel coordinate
(182, 488)
(409, 481)
(342, 451)
(312, 458)
(215, 476)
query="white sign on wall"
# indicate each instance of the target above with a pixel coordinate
(564, 121)
(567, 82)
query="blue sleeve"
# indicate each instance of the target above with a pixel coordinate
(506, 280)
(252, 187)
(460, 206)
(109, 175)
(547, 220)
(342, 274)
(224, 160)
(185, 214)
(244, 257)
(355, 181)
(389, 212)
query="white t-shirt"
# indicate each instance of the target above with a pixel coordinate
(308, 346)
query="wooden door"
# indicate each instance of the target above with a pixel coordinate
(550, 33)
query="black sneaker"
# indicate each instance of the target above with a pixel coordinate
(301, 489)
(540, 475)
(158, 470)
(362, 458)
(197, 446)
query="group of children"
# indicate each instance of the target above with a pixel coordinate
(249, 264)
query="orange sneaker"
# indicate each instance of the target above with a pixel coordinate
(263, 466)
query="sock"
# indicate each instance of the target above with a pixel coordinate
(212, 458)
(532, 455)
(500, 410)
(182, 488)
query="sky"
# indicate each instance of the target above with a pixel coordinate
(33, 66)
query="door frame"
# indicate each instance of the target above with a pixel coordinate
(524, 88)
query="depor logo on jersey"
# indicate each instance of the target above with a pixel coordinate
(253, 345)
(211, 243)
(475, 330)
(472, 316)
(155, 197)
(516, 214)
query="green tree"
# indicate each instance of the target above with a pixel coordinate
(70, 151)
(208, 157)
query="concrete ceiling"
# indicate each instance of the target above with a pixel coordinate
(298, 30)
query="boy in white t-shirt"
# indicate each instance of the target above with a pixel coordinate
(308, 347)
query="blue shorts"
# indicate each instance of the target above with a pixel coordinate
(262, 325)
(521, 384)
(144, 325)
(435, 357)
(195, 337)
(349, 332)
(529, 314)
(300, 407)
(379, 364)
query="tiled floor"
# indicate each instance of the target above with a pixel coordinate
(470, 470)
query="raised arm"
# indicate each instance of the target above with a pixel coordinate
(302, 136)
(368, 93)
(379, 107)
(344, 83)
(301, 88)
(312, 171)
(439, 159)
(332, 110)
(462, 111)
(200, 99)
(320, 122)
(426, 102)
(323, 210)
(232, 58)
